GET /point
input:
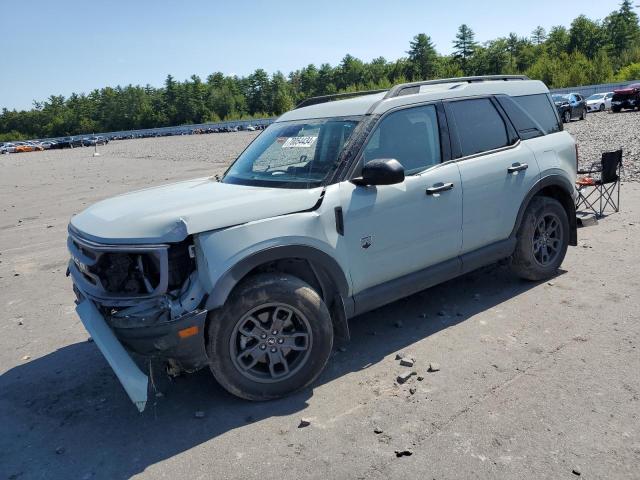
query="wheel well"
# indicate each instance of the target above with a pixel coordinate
(318, 277)
(561, 195)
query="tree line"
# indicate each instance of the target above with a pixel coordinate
(588, 52)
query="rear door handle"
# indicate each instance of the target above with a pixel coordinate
(516, 167)
(439, 187)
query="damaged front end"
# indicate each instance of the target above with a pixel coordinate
(142, 299)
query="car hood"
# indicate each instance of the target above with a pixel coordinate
(169, 213)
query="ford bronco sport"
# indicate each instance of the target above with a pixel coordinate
(344, 204)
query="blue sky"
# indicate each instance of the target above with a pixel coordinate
(59, 47)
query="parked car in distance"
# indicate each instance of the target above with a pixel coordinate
(8, 147)
(22, 147)
(337, 208)
(599, 102)
(570, 106)
(626, 98)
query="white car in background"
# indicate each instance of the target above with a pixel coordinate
(599, 102)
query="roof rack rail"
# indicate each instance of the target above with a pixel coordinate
(336, 96)
(414, 87)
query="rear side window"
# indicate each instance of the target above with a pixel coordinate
(480, 126)
(540, 108)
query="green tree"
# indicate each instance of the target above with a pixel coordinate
(422, 58)
(538, 35)
(621, 29)
(585, 36)
(463, 46)
(557, 40)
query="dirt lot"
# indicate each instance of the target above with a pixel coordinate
(536, 380)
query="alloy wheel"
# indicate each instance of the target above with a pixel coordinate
(271, 343)
(547, 239)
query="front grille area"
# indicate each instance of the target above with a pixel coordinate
(118, 272)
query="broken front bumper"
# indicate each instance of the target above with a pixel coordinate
(131, 377)
(180, 341)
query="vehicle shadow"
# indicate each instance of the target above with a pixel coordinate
(66, 416)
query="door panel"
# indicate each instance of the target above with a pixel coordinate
(394, 230)
(492, 195)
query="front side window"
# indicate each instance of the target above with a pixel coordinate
(480, 126)
(411, 136)
(295, 154)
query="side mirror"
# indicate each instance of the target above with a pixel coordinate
(382, 171)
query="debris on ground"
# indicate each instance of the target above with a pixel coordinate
(403, 377)
(403, 453)
(412, 390)
(434, 367)
(377, 431)
(576, 471)
(407, 362)
(304, 422)
(420, 378)
(26, 357)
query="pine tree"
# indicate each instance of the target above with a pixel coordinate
(422, 58)
(539, 35)
(463, 46)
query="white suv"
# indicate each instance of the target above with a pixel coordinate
(340, 206)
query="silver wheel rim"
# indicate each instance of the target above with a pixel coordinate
(271, 343)
(547, 239)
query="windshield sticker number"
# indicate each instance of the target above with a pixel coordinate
(299, 142)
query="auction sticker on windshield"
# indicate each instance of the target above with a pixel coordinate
(299, 142)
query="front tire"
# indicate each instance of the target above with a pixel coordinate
(543, 238)
(602, 107)
(273, 336)
(566, 116)
(584, 114)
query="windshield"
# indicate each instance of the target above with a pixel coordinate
(560, 98)
(596, 96)
(295, 154)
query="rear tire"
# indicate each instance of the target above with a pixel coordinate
(273, 336)
(543, 238)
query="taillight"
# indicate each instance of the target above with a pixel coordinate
(577, 162)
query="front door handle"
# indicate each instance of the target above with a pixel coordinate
(439, 187)
(516, 167)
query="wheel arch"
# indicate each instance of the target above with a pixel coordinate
(559, 188)
(308, 263)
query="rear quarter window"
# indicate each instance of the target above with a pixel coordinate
(541, 109)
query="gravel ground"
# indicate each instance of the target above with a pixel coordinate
(607, 131)
(536, 380)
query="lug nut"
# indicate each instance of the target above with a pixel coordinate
(281, 340)
(262, 347)
(274, 350)
(264, 335)
(275, 332)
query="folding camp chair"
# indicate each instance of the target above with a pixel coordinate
(597, 194)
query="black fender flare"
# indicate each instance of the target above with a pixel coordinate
(225, 284)
(568, 202)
